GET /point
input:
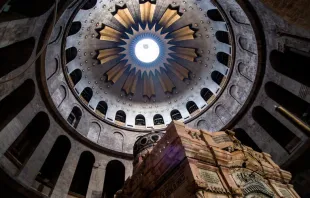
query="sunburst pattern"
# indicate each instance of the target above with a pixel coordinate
(168, 42)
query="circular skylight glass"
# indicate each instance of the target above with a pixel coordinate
(147, 50)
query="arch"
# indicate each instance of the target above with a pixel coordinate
(206, 94)
(80, 181)
(158, 119)
(102, 108)
(75, 28)
(288, 100)
(16, 55)
(118, 141)
(191, 107)
(223, 37)
(12, 104)
(87, 94)
(89, 4)
(217, 77)
(291, 64)
(246, 139)
(223, 58)
(140, 120)
(94, 132)
(75, 117)
(215, 15)
(280, 133)
(114, 178)
(175, 115)
(71, 54)
(76, 76)
(26, 143)
(19, 9)
(54, 163)
(120, 116)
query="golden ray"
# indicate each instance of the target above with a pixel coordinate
(147, 11)
(180, 71)
(107, 55)
(148, 85)
(110, 34)
(185, 33)
(116, 72)
(186, 53)
(131, 82)
(165, 81)
(169, 17)
(124, 17)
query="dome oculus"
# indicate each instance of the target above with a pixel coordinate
(147, 50)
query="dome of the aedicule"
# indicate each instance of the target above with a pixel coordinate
(94, 85)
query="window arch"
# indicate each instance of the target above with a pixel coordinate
(223, 37)
(191, 107)
(16, 55)
(120, 116)
(288, 100)
(54, 163)
(217, 77)
(102, 108)
(206, 94)
(215, 15)
(292, 63)
(175, 115)
(71, 53)
(80, 181)
(280, 133)
(223, 58)
(26, 143)
(76, 76)
(114, 178)
(140, 120)
(75, 28)
(12, 104)
(75, 117)
(87, 94)
(158, 119)
(246, 139)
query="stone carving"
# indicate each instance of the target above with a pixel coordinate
(209, 176)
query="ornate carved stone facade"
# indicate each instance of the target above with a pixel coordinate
(188, 162)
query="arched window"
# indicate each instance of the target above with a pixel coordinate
(80, 181)
(288, 100)
(293, 64)
(206, 94)
(89, 4)
(16, 101)
(175, 115)
(191, 107)
(71, 53)
(223, 37)
(87, 94)
(114, 178)
(158, 120)
(76, 76)
(26, 143)
(54, 163)
(120, 116)
(15, 55)
(75, 117)
(140, 120)
(275, 128)
(215, 15)
(223, 58)
(246, 139)
(102, 108)
(217, 77)
(75, 28)
(19, 9)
